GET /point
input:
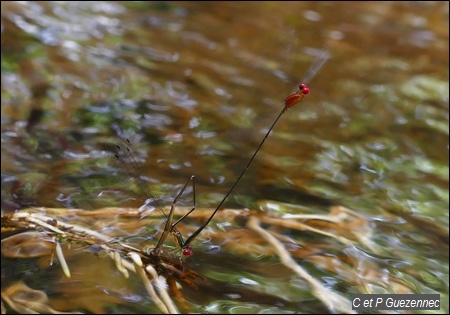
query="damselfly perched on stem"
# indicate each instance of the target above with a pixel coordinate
(128, 163)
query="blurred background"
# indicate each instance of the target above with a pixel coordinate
(195, 86)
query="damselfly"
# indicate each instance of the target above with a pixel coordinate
(128, 162)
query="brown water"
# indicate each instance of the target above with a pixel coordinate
(195, 86)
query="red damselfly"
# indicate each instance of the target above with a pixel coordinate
(128, 162)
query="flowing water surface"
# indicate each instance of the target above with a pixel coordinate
(195, 86)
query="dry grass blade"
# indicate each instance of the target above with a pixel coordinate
(62, 260)
(139, 267)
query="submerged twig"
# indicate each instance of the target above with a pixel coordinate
(331, 299)
(301, 226)
(158, 271)
(116, 250)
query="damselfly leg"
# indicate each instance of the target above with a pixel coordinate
(127, 167)
(170, 228)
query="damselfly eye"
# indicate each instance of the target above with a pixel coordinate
(304, 88)
(301, 86)
(187, 251)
